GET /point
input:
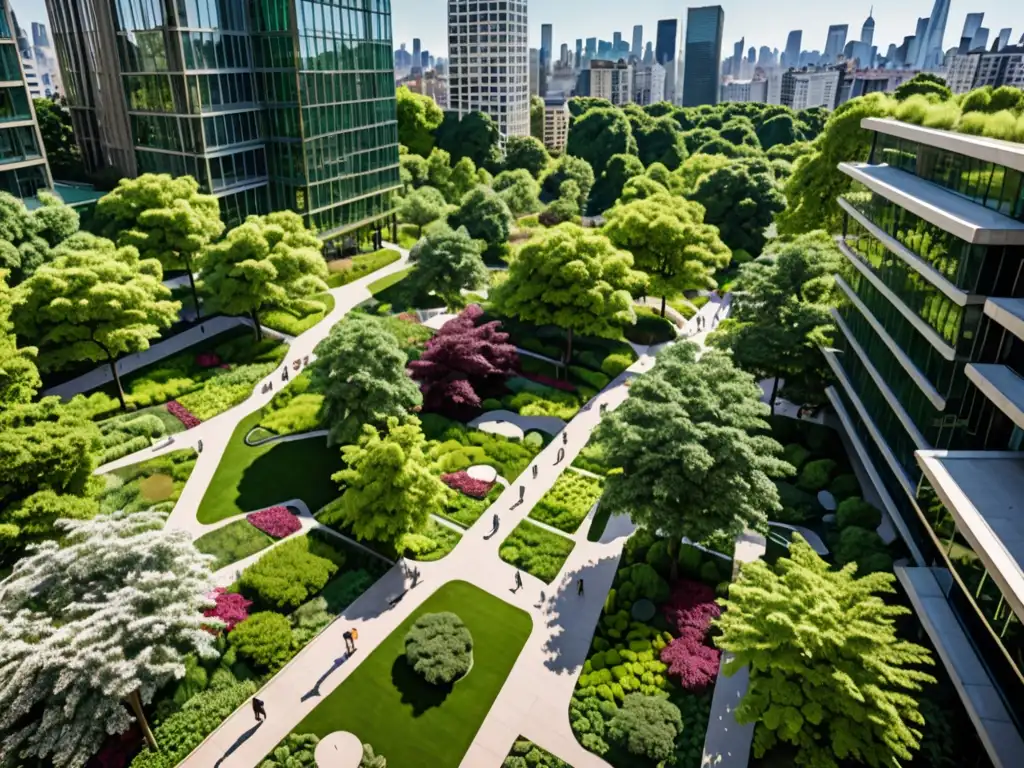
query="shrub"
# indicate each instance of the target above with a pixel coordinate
(816, 474)
(844, 486)
(287, 575)
(526, 754)
(346, 271)
(439, 647)
(232, 542)
(647, 726)
(740, 257)
(297, 750)
(462, 482)
(342, 591)
(182, 414)
(491, 404)
(534, 440)
(278, 522)
(536, 551)
(646, 581)
(121, 449)
(691, 607)
(650, 328)
(692, 662)
(231, 608)
(308, 620)
(265, 639)
(302, 414)
(561, 405)
(856, 511)
(864, 547)
(568, 501)
(596, 380)
(615, 364)
(549, 381)
(796, 455)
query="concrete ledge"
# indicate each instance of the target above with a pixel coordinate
(1008, 154)
(1002, 385)
(1009, 313)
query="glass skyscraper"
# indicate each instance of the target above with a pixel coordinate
(702, 59)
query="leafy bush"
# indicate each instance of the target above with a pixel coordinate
(439, 647)
(299, 318)
(287, 575)
(568, 501)
(232, 542)
(145, 485)
(650, 328)
(863, 547)
(856, 511)
(816, 474)
(490, 404)
(641, 581)
(278, 521)
(297, 750)
(265, 639)
(647, 726)
(536, 551)
(844, 486)
(463, 447)
(796, 455)
(561, 405)
(534, 440)
(183, 414)
(231, 608)
(432, 543)
(526, 754)
(342, 591)
(308, 620)
(593, 378)
(346, 271)
(615, 364)
(592, 459)
(121, 449)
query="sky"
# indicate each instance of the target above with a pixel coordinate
(760, 22)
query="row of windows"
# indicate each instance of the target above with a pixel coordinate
(14, 104)
(318, 121)
(331, 89)
(238, 168)
(343, 55)
(18, 144)
(196, 135)
(329, 193)
(176, 165)
(273, 15)
(10, 67)
(351, 214)
(324, 162)
(236, 206)
(325, 20)
(24, 182)
(995, 187)
(213, 50)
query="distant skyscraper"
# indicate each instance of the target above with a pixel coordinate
(563, 57)
(649, 54)
(915, 43)
(971, 26)
(835, 42)
(665, 47)
(792, 52)
(39, 37)
(867, 32)
(703, 55)
(591, 47)
(751, 55)
(616, 39)
(417, 57)
(1004, 38)
(929, 52)
(638, 41)
(737, 57)
(579, 52)
(980, 40)
(546, 35)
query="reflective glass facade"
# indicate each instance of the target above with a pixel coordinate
(270, 104)
(702, 55)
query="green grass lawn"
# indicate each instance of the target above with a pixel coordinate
(345, 271)
(382, 284)
(302, 318)
(234, 542)
(248, 478)
(539, 552)
(412, 723)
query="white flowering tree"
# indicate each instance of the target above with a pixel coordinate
(100, 621)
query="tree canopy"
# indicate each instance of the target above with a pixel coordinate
(418, 118)
(781, 129)
(599, 134)
(447, 261)
(265, 261)
(828, 673)
(741, 199)
(422, 206)
(926, 84)
(475, 135)
(361, 370)
(19, 377)
(569, 168)
(486, 217)
(608, 189)
(519, 190)
(660, 140)
(27, 238)
(527, 153)
(62, 152)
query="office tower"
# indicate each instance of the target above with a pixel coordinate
(480, 48)
(980, 68)
(867, 32)
(417, 56)
(616, 39)
(425, 60)
(702, 56)
(737, 56)
(971, 26)
(929, 53)
(591, 47)
(638, 41)
(1004, 38)
(612, 80)
(579, 53)
(648, 84)
(745, 91)
(604, 48)
(792, 53)
(980, 40)
(23, 167)
(765, 58)
(556, 123)
(563, 55)
(534, 71)
(836, 42)
(649, 54)
(39, 36)
(666, 47)
(751, 55)
(403, 59)
(546, 46)
(928, 358)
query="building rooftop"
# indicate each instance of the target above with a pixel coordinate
(1009, 154)
(947, 210)
(1009, 313)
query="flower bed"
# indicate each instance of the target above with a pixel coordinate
(548, 381)
(275, 521)
(207, 360)
(183, 414)
(690, 657)
(231, 608)
(461, 481)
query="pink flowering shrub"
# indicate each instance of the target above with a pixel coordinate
(183, 414)
(275, 521)
(690, 657)
(207, 360)
(547, 381)
(461, 481)
(692, 662)
(231, 608)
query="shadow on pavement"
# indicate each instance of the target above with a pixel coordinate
(238, 742)
(315, 690)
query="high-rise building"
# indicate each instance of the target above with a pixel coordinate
(616, 39)
(403, 59)
(702, 59)
(546, 47)
(591, 51)
(23, 167)
(579, 53)
(638, 41)
(835, 42)
(556, 123)
(666, 46)
(971, 26)
(648, 84)
(534, 71)
(563, 55)
(751, 55)
(980, 68)
(417, 57)
(792, 52)
(930, 52)
(649, 54)
(915, 44)
(737, 58)
(816, 89)
(928, 359)
(480, 49)
(980, 40)
(611, 80)
(745, 90)
(1004, 38)
(867, 31)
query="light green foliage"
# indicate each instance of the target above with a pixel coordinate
(526, 153)
(569, 168)
(439, 647)
(925, 84)
(598, 134)
(447, 261)
(690, 445)
(27, 238)
(486, 217)
(641, 188)
(592, 379)
(389, 489)
(615, 364)
(695, 168)
(298, 750)
(301, 316)
(459, 447)
(831, 677)
(669, 241)
(418, 118)
(345, 271)
(543, 401)
(741, 199)
(265, 261)
(592, 459)
(19, 377)
(232, 542)
(536, 551)
(265, 639)
(526, 754)
(286, 576)
(360, 369)
(568, 501)
(463, 179)
(519, 190)
(647, 726)
(433, 543)
(572, 278)
(412, 170)
(422, 206)
(564, 208)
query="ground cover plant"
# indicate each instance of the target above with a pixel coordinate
(345, 271)
(465, 510)
(384, 701)
(432, 543)
(526, 754)
(568, 501)
(536, 551)
(152, 484)
(459, 447)
(303, 315)
(232, 542)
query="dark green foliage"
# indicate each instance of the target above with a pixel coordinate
(844, 486)
(741, 199)
(740, 131)
(527, 153)
(340, 592)
(599, 134)
(439, 647)
(660, 141)
(863, 547)
(287, 575)
(813, 121)
(815, 475)
(725, 148)
(579, 105)
(475, 136)
(799, 504)
(856, 511)
(265, 639)
(232, 542)
(568, 168)
(297, 750)
(62, 153)
(486, 217)
(650, 328)
(620, 169)
(536, 551)
(796, 455)
(647, 726)
(779, 130)
(698, 137)
(924, 83)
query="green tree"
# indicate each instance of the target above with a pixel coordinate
(62, 152)
(690, 449)
(741, 199)
(447, 261)
(475, 135)
(828, 673)
(422, 206)
(463, 179)
(361, 370)
(926, 84)
(94, 301)
(164, 218)
(641, 188)
(519, 190)
(780, 316)
(486, 217)
(537, 117)
(19, 377)
(439, 172)
(781, 129)
(647, 726)
(813, 121)
(740, 131)
(388, 489)
(265, 261)
(565, 208)
(599, 134)
(412, 170)
(580, 105)
(670, 242)
(660, 141)
(526, 152)
(694, 168)
(569, 168)
(572, 278)
(418, 118)
(27, 238)
(608, 189)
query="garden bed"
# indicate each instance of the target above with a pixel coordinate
(302, 317)
(464, 510)
(526, 754)
(152, 484)
(650, 327)
(233, 542)
(345, 271)
(458, 447)
(568, 502)
(442, 540)
(539, 552)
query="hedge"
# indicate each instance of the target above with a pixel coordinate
(347, 271)
(288, 575)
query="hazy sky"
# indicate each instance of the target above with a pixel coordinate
(760, 22)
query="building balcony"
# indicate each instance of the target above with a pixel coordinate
(1009, 313)
(1007, 154)
(1004, 387)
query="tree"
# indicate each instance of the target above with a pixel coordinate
(926, 84)
(740, 131)
(486, 217)
(569, 168)
(388, 488)
(722, 146)
(660, 141)
(418, 118)
(537, 117)
(781, 129)
(813, 121)
(164, 218)
(102, 619)
(19, 377)
(670, 242)
(475, 135)
(447, 261)
(463, 179)
(94, 301)
(647, 726)
(565, 208)
(580, 105)
(27, 238)
(526, 152)
(598, 134)
(572, 278)
(781, 316)
(422, 206)
(619, 170)
(439, 647)
(690, 449)
(641, 188)
(62, 152)
(827, 672)
(741, 199)
(361, 370)
(464, 362)
(412, 170)
(439, 172)
(519, 190)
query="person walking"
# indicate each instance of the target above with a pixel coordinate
(350, 640)
(565, 437)
(259, 710)
(534, 471)
(560, 455)
(579, 587)
(519, 582)
(495, 521)
(522, 493)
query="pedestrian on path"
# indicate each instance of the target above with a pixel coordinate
(495, 521)
(259, 710)
(565, 437)
(522, 493)
(519, 583)
(534, 471)
(560, 456)
(579, 587)
(200, 446)
(351, 636)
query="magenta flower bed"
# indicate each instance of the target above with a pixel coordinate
(690, 657)
(547, 381)
(207, 360)
(231, 608)
(275, 521)
(461, 481)
(183, 414)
